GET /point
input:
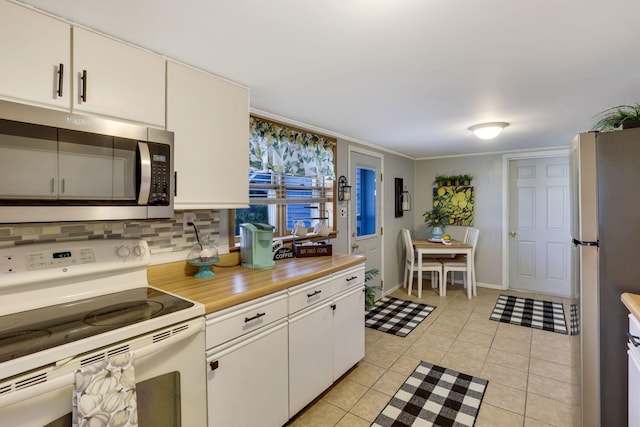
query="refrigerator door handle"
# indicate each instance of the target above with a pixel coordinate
(584, 243)
(633, 339)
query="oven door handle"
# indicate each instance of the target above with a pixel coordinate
(69, 378)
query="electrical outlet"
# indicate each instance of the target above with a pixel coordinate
(188, 217)
(343, 212)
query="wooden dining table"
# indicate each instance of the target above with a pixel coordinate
(428, 247)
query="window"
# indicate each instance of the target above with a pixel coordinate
(365, 201)
(291, 178)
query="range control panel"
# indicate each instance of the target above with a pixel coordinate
(50, 261)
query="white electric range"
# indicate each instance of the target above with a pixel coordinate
(66, 304)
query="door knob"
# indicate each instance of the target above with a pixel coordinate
(512, 233)
(355, 246)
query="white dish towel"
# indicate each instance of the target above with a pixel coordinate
(105, 394)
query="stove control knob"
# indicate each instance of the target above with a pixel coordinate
(138, 250)
(123, 251)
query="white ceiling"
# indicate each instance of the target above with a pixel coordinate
(408, 75)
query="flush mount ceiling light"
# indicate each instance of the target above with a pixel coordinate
(488, 130)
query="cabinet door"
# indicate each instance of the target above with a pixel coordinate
(121, 80)
(310, 355)
(210, 119)
(33, 48)
(348, 330)
(247, 380)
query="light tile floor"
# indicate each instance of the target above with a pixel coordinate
(533, 374)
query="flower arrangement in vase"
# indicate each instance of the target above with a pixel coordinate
(437, 218)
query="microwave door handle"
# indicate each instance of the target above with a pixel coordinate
(68, 379)
(145, 173)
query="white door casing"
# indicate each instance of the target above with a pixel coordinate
(369, 244)
(539, 225)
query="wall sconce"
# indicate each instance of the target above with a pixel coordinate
(405, 201)
(344, 190)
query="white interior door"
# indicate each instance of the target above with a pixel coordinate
(539, 229)
(366, 210)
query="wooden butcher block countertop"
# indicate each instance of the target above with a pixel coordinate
(234, 285)
(632, 302)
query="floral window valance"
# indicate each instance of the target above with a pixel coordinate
(280, 149)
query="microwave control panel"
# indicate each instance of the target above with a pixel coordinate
(159, 194)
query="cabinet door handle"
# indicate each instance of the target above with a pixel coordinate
(313, 294)
(633, 339)
(333, 307)
(83, 96)
(60, 79)
(53, 185)
(352, 278)
(62, 186)
(257, 316)
(214, 365)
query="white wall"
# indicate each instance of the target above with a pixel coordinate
(487, 183)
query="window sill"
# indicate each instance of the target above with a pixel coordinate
(287, 240)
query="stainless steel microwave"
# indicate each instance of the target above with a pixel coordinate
(57, 166)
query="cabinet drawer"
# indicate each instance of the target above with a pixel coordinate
(236, 321)
(307, 294)
(348, 279)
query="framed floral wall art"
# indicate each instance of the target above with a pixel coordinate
(457, 200)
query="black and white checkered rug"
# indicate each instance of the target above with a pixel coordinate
(396, 316)
(434, 396)
(545, 315)
(574, 320)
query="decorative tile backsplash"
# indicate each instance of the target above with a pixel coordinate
(163, 236)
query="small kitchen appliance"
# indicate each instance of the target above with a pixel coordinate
(256, 240)
(72, 305)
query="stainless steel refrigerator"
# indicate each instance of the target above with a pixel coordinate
(606, 233)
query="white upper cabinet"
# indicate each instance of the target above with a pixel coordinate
(35, 48)
(115, 79)
(210, 119)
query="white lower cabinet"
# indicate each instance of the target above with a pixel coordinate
(348, 331)
(310, 354)
(248, 364)
(326, 339)
(633, 354)
(247, 380)
(269, 358)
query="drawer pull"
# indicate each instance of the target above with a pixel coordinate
(214, 365)
(333, 307)
(633, 339)
(257, 316)
(314, 294)
(352, 278)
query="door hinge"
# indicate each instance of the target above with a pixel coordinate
(381, 177)
(382, 231)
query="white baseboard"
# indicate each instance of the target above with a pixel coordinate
(490, 286)
(392, 290)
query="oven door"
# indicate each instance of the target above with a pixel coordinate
(170, 382)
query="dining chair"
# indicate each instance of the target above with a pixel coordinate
(460, 264)
(411, 265)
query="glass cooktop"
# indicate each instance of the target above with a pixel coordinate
(32, 331)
